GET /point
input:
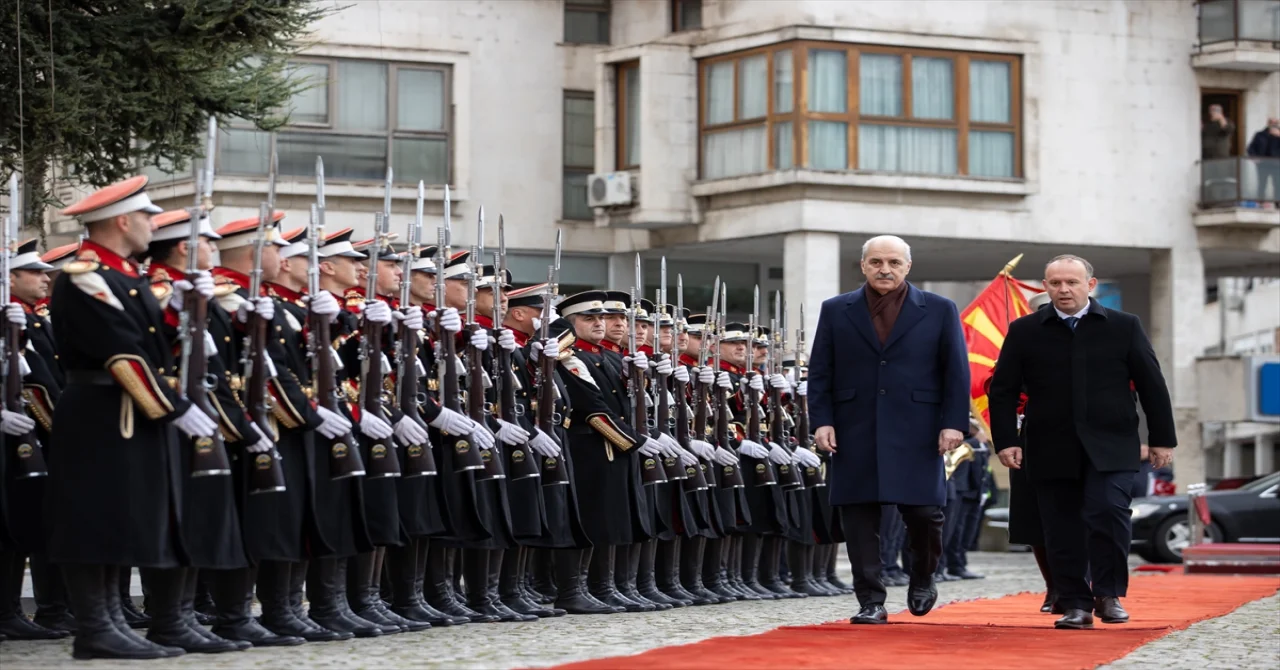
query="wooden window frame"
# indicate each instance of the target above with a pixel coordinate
(566, 168)
(393, 131)
(676, 25)
(623, 72)
(800, 114)
(605, 8)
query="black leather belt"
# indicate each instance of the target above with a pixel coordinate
(91, 377)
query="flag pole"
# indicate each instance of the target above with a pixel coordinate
(1006, 274)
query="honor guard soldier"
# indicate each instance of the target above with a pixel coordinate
(27, 524)
(116, 412)
(275, 528)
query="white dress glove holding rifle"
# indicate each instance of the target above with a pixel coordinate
(511, 434)
(753, 449)
(324, 304)
(377, 311)
(333, 425)
(195, 423)
(448, 319)
(779, 455)
(409, 432)
(263, 307)
(548, 347)
(704, 450)
(16, 423)
(507, 339)
(375, 426)
(543, 445)
(200, 282)
(260, 446)
(805, 458)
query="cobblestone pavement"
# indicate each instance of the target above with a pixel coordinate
(1248, 637)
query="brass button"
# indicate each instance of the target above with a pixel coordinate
(37, 324)
(282, 340)
(226, 338)
(151, 328)
(133, 292)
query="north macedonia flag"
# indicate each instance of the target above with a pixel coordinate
(985, 323)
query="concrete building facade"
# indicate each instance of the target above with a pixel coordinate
(765, 140)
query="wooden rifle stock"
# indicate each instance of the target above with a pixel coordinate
(465, 454)
(788, 474)
(208, 454)
(344, 454)
(29, 461)
(265, 475)
(650, 472)
(813, 477)
(493, 468)
(382, 461)
(695, 477)
(671, 467)
(553, 471)
(764, 475)
(730, 475)
(523, 465)
(419, 460)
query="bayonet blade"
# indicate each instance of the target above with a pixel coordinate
(386, 199)
(272, 170)
(210, 152)
(448, 230)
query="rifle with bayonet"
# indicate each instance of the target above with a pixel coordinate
(695, 477)
(477, 404)
(553, 470)
(419, 460)
(522, 466)
(764, 474)
(29, 454)
(382, 458)
(813, 477)
(265, 474)
(788, 475)
(208, 454)
(650, 472)
(344, 454)
(465, 454)
(671, 465)
(730, 475)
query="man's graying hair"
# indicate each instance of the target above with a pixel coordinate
(1088, 267)
(906, 248)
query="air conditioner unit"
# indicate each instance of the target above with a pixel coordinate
(609, 190)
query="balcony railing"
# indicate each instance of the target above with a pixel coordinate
(1239, 21)
(1239, 182)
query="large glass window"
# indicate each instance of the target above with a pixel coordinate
(361, 116)
(579, 152)
(686, 15)
(586, 21)
(868, 108)
(628, 115)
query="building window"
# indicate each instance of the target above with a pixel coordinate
(361, 116)
(579, 152)
(586, 21)
(686, 15)
(861, 108)
(629, 115)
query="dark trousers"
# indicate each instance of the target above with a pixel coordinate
(968, 523)
(861, 525)
(892, 538)
(1087, 529)
(950, 533)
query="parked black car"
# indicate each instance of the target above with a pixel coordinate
(1250, 513)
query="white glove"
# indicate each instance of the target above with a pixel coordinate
(687, 458)
(704, 450)
(549, 347)
(16, 423)
(650, 447)
(755, 382)
(779, 455)
(410, 432)
(670, 448)
(706, 375)
(210, 346)
(664, 366)
(723, 381)
(263, 307)
(511, 434)
(15, 314)
(195, 423)
(480, 339)
(481, 436)
(779, 382)
(752, 449)
(375, 426)
(639, 359)
(681, 373)
(262, 445)
(410, 318)
(335, 425)
(543, 445)
(453, 423)
(324, 304)
(448, 319)
(791, 376)
(805, 458)
(724, 457)
(507, 339)
(376, 311)
(803, 388)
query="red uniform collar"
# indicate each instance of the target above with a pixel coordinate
(647, 350)
(617, 349)
(730, 367)
(484, 321)
(283, 292)
(521, 338)
(92, 251)
(583, 345)
(164, 272)
(393, 301)
(25, 307)
(239, 278)
(686, 359)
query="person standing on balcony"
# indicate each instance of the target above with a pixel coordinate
(1266, 146)
(1216, 134)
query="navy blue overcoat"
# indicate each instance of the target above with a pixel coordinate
(889, 402)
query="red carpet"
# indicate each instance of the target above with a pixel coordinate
(1007, 632)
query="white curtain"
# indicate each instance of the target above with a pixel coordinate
(989, 91)
(719, 93)
(362, 96)
(933, 90)
(905, 149)
(783, 146)
(420, 104)
(633, 117)
(753, 87)
(730, 153)
(880, 85)
(782, 82)
(828, 145)
(828, 81)
(990, 154)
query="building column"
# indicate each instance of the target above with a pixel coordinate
(1233, 459)
(811, 274)
(1177, 307)
(1264, 453)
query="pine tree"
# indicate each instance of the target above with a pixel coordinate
(98, 87)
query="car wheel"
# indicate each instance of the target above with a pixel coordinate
(1174, 535)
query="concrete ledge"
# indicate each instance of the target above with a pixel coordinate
(900, 182)
(1246, 56)
(1237, 217)
(302, 186)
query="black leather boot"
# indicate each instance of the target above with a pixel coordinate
(542, 581)
(275, 579)
(626, 562)
(752, 547)
(475, 584)
(526, 590)
(833, 577)
(50, 595)
(713, 571)
(98, 635)
(297, 578)
(169, 626)
(112, 575)
(771, 558)
(602, 580)
(133, 616)
(360, 592)
(510, 579)
(817, 560)
(737, 571)
(667, 573)
(801, 565)
(15, 625)
(570, 587)
(647, 578)
(193, 621)
(206, 611)
(434, 616)
(327, 591)
(494, 581)
(438, 583)
(691, 560)
(401, 565)
(381, 583)
(233, 594)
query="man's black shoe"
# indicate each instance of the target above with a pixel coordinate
(871, 614)
(964, 573)
(1109, 610)
(1075, 620)
(920, 598)
(1050, 603)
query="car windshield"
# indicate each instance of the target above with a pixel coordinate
(1261, 484)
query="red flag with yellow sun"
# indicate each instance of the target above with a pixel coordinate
(985, 323)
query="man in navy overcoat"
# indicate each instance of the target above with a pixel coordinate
(889, 394)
